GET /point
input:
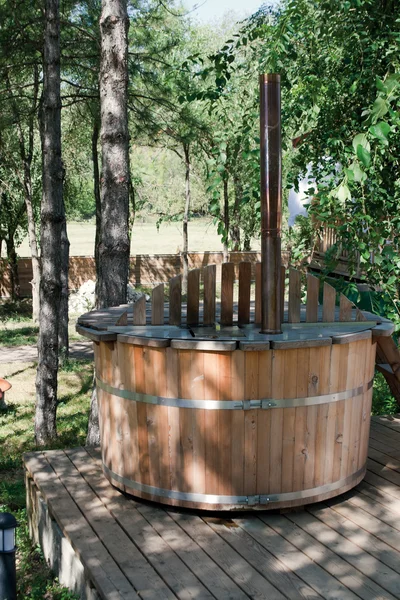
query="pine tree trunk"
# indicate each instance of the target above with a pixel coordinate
(63, 336)
(33, 245)
(185, 257)
(114, 244)
(52, 219)
(12, 259)
(96, 187)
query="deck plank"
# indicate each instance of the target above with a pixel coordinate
(110, 581)
(346, 547)
(261, 559)
(135, 567)
(240, 571)
(159, 554)
(367, 531)
(309, 571)
(338, 556)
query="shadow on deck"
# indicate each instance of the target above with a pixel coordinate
(104, 545)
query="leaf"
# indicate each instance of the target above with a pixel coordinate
(381, 131)
(379, 108)
(343, 193)
(359, 174)
(364, 156)
(361, 140)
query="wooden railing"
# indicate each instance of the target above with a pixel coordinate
(201, 306)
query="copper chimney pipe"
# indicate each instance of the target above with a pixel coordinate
(271, 202)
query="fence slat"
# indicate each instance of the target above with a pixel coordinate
(157, 305)
(227, 281)
(283, 289)
(175, 300)
(244, 292)
(328, 307)
(345, 308)
(122, 319)
(257, 315)
(312, 299)
(139, 311)
(193, 297)
(294, 296)
(209, 274)
(360, 316)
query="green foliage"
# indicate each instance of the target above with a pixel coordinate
(15, 311)
(19, 337)
(383, 402)
(34, 579)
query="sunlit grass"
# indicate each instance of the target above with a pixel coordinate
(35, 581)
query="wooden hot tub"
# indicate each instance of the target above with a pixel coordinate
(199, 409)
(223, 417)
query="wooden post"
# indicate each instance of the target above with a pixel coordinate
(271, 202)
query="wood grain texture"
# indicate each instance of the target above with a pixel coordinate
(312, 298)
(175, 300)
(210, 281)
(193, 297)
(294, 296)
(157, 305)
(244, 292)
(329, 301)
(239, 452)
(227, 281)
(345, 309)
(257, 313)
(139, 311)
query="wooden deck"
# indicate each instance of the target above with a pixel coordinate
(105, 545)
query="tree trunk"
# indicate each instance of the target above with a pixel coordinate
(114, 243)
(52, 219)
(226, 219)
(63, 337)
(96, 187)
(185, 257)
(113, 254)
(33, 245)
(12, 259)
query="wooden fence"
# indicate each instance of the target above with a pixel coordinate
(145, 269)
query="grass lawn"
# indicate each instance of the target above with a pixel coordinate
(146, 239)
(17, 327)
(35, 581)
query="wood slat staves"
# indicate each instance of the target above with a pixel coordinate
(294, 296)
(244, 292)
(175, 300)
(329, 301)
(157, 305)
(257, 316)
(345, 308)
(282, 291)
(227, 281)
(193, 297)
(139, 311)
(312, 299)
(123, 319)
(209, 274)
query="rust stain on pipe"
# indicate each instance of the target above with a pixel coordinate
(271, 202)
